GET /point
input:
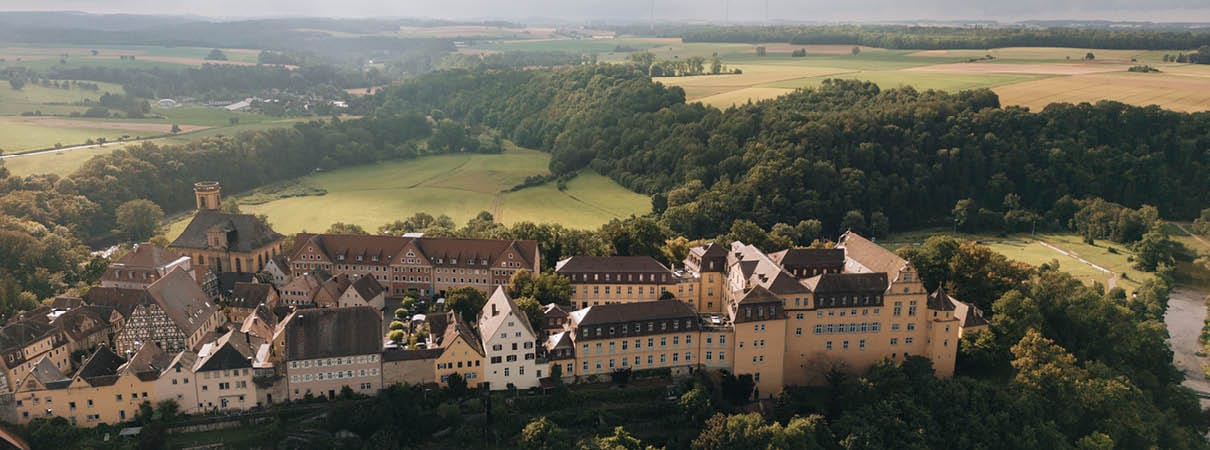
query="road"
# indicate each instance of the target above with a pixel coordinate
(64, 149)
(1191, 234)
(1185, 316)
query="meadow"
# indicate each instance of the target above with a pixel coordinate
(457, 185)
(1032, 250)
(1024, 76)
(44, 56)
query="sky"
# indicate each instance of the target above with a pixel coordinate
(634, 10)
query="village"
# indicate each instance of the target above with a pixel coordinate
(233, 316)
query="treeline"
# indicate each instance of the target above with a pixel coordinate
(513, 60)
(844, 149)
(930, 38)
(224, 81)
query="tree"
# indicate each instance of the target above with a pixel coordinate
(751, 432)
(402, 312)
(345, 228)
(635, 236)
(397, 325)
(466, 301)
(456, 385)
(176, 128)
(545, 288)
(1154, 250)
(396, 336)
(533, 312)
(855, 51)
(1089, 56)
(880, 225)
(696, 405)
(853, 220)
(216, 55)
(619, 440)
(761, 51)
(16, 83)
(748, 232)
(543, 434)
(139, 219)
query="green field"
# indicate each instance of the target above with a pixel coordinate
(1029, 249)
(459, 186)
(41, 57)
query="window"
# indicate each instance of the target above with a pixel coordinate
(798, 331)
(898, 310)
(861, 344)
(846, 345)
(829, 345)
(894, 341)
(907, 340)
(912, 308)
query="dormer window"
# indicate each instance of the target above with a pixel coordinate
(411, 254)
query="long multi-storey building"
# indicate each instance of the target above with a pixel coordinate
(414, 264)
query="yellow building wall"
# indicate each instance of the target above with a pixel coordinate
(459, 357)
(111, 404)
(759, 351)
(584, 295)
(600, 357)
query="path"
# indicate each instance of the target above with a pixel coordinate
(63, 149)
(1191, 234)
(1113, 279)
(1184, 319)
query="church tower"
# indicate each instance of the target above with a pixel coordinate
(207, 194)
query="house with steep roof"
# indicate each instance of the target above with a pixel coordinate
(85, 327)
(509, 344)
(143, 265)
(175, 315)
(461, 349)
(278, 270)
(225, 242)
(365, 291)
(325, 350)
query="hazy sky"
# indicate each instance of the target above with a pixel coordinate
(712, 10)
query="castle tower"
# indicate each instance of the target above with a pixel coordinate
(207, 194)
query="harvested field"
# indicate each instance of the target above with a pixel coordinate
(706, 85)
(1178, 93)
(177, 60)
(819, 49)
(1039, 69)
(742, 96)
(1035, 53)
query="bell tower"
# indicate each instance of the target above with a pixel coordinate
(207, 194)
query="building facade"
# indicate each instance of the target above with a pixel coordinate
(509, 344)
(328, 349)
(226, 242)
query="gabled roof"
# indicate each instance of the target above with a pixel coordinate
(784, 283)
(249, 295)
(489, 324)
(970, 315)
(250, 233)
(439, 251)
(399, 354)
(64, 303)
(613, 264)
(147, 362)
(367, 287)
(39, 314)
(350, 246)
(328, 332)
(861, 255)
(554, 310)
(124, 301)
(558, 340)
(758, 295)
(630, 312)
(711, 250)
(101, 368)
(231, 351)
(183, 300)
(471, 252)
(82, 322)
(847, 283)
(228, 280)
(458, 328)
(260, 323)
(46, 374)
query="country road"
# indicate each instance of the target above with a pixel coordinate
(52, 150)
(1113, 277)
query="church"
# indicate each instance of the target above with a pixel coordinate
(226, 242)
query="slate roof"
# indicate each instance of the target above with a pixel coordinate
(613, 264)
(328, 332)
(147, 362)
(64, 303)
(630, 312)
(553, 310)
(228, 280)
(120, 299)
(847, 283)
(399, 354)
(940, 301)
(48, 375)
(101, 368)
(183, 300)
(249, 232)
(147, 255)
(439, 251)
(757, 295)
(809, 257)
(249, 295)
(458, 328)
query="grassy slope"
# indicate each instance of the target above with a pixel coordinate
(459, 186)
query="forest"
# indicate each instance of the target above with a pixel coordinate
(940, 37)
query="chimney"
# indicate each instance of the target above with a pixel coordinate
(208, 195)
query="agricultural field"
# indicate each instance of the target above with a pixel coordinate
(41, 57)
(1025, 76)
(459, 185)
